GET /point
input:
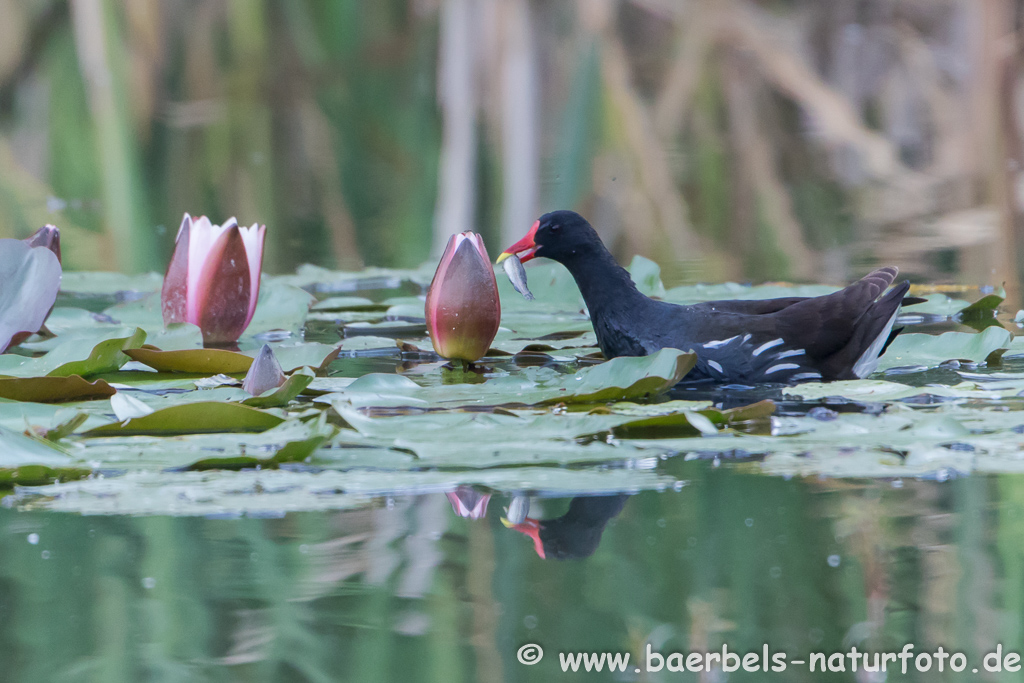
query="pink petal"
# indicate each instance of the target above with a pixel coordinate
(221, 297)
(173, 295)
(202, 238)
(254, 238)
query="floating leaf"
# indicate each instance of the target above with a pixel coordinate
(50, 389)
(932, 350)
(18, 449)
(193, 361)
(39, 475)
(284, 394)
(647, 276)
(194, 418)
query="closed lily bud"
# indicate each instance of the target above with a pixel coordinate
(213, 279)
(264, 374)
(463, 310)
(468, 502)
(29, 283)
(47, 236)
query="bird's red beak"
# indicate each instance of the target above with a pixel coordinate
(529, 526)
(525, 248)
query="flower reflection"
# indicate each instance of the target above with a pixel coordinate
(468, 502)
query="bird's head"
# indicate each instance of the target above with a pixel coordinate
(559, 235)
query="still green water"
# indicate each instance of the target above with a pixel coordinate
(404, 590)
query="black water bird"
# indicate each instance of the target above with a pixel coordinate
(792, 339)
(577, 533)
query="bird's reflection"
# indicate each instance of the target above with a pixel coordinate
(577, 533)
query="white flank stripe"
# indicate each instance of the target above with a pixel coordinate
(780, 367)
(716, 366)
(799, 377)
(789, 354)
(767, 345)
(720, 342)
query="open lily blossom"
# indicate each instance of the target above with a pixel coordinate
(29, 282)
(468, 502)
(463, 310)
(213, 280)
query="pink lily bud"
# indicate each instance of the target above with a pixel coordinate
(468, 502)
(463, 310)
(47, 236)
(213, 279)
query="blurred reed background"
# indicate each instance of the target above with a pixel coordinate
(726, 139)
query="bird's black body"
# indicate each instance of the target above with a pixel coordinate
(836, 336)
(577, 533)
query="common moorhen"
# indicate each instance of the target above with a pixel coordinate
(792, 339)
(577, 533)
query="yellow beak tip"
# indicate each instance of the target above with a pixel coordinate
(507, 524)
(501, 257)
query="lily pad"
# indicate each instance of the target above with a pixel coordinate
(193, 361)
(284, 394)
(50, 389)
(932, 350)
(194, 418)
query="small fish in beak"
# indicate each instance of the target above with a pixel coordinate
(516, 274)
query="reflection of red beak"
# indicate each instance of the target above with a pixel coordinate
(525, 248)
(530, 527)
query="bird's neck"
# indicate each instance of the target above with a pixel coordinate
(605, 285)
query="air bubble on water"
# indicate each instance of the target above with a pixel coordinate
(749, 522)
(775, 572)
(897, 483)
(303, 548)
(149, 583)
(33, 538)
(530, 621)
(661, 522)
(834, 560)
(45, 554)
(254, 556)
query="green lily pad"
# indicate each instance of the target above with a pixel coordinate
(931, 350)
(50, 389)
(284, 394)
(17, 450)
(39, 475)
(625, 378)
(193, 361)
(194, 418)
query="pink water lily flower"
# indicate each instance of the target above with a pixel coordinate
(213, 280)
